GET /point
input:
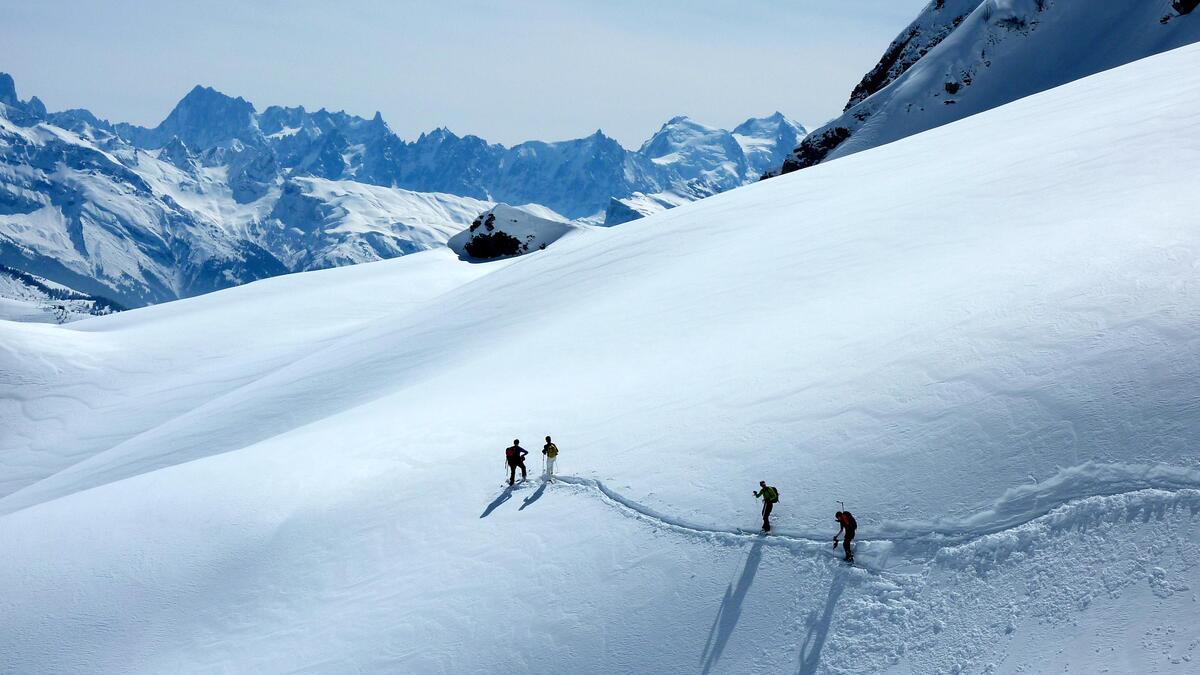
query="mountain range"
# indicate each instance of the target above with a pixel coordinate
(219, 194)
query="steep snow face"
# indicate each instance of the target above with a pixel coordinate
(991, 358)
(932, 26)
(961, 57)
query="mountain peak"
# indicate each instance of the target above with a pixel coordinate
(438, 135)
(378, 125)
(205, 95)
(771, 125)
(32, 110)
(205, 118)
(8, 89)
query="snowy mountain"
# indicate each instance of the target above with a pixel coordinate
(219, 194)
(767, 141)
(137, 227)
(706, 161)
(992, 361)
(961, 57)
(576, 178)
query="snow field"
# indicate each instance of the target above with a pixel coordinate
(981, 338)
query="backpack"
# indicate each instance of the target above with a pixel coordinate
(849, 522)
(773, 495)
(511, 453)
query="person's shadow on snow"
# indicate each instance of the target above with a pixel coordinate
(504, 496)
(818, 629)
(731, 609)
(533, 497)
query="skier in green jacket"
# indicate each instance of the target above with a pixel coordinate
(769, 496)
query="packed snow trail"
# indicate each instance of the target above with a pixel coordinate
(910, 539)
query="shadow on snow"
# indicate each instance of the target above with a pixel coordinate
(818, 628)
(504, 496)
(731, 609)
(533, 497)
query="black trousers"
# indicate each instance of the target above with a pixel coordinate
(512, 471)
(767, 506)
(846, 544)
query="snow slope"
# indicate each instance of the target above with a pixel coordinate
(961, 57)
(982, 338)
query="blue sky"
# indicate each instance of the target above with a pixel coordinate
(505, 70)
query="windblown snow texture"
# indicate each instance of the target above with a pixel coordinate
(961, 57)
(981, 338)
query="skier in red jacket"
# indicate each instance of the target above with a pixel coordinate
(515, 456)
(848, 525)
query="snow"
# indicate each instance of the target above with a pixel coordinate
(12, 309)
(766, 141)
(967, 56)
(526, 226)
(26, 297)
(982, 338)
(141, 229)
(219, 194)
(640, 205)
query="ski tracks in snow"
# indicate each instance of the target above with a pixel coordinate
(1128, 492)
